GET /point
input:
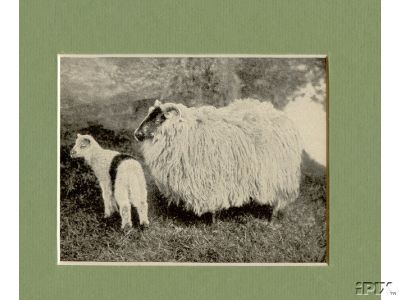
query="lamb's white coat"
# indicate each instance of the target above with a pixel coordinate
(211, 159)
(130, 183)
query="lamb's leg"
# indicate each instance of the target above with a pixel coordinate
(142, 209)
(125, 212)
(121, 197)
(138, 198)
(107, 199)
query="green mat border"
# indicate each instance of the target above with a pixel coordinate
(347, 31)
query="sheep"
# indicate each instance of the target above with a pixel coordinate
(121, 179)
(210, 159)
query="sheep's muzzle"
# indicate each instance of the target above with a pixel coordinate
(139, 135)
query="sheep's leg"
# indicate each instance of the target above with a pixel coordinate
(210, 217)
(107, 199)
(277, 213)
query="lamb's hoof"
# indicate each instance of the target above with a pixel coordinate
(144, 226)
(106, 215)
(126, 227)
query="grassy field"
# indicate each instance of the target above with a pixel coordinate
(246, 234)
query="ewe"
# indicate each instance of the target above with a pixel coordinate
(120, 176)
(211, 159)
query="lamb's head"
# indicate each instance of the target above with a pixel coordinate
(159, 115)
(83, 146)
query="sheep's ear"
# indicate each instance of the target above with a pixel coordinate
(172, 111)
(157, 103)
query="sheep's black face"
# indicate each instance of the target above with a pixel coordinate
(150, 124)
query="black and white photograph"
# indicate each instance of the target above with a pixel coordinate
(193, 159)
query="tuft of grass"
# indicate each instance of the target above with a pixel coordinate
(246, 234)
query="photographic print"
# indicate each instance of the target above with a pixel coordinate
(191, 159)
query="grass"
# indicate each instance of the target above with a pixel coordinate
(246, 234)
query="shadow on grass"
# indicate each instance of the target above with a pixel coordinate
(178, 214)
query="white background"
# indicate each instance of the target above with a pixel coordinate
(390, 153)
(10, 157)
(9, 101)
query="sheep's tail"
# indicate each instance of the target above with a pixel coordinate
(310, 120)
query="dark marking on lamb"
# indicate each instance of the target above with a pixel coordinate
(116, 161)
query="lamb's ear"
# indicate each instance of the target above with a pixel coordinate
(78, 135)
(157, 103)
(84, 143)
(172, 111)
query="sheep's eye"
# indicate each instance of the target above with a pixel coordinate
(160, 120)
(83, 145)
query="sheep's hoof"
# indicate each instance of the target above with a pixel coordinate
(278, 214)
(107, 215)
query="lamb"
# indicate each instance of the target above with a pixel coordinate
(211, 159)
(121, 179)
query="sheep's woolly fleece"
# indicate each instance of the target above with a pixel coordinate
(210, 159)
